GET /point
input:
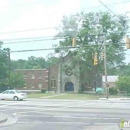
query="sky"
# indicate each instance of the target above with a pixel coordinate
(29, 15)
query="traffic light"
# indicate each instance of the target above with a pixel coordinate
(96, 59)
(73, 42)
(127, 42)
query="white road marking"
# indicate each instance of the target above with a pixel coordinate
(81, 123)
(26, 122)
(71, 117)
(12, 104)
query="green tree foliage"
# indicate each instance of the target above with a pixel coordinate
(52, 61)
(18, 64)
(17, 80)
(34, 63)
(4, 58)
(124, 70)
(31, 63)
(123, 83)
(91, 30)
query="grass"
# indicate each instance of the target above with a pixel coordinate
(40, 95)
(65, 96)
(72, 96)
(77, 96)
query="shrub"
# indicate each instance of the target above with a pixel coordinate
(123, 83)
(113, 91)
(80, 91)
(43, 90)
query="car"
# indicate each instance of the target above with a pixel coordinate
(13, 95)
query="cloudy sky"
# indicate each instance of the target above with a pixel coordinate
(29, 15)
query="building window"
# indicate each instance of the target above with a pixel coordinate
(40, 86)
(32, 85)
(25, 76)
(40, 76)
(32, 76)
(53, 83)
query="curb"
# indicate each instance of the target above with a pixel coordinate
(114, 99)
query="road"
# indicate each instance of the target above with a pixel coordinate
(48, 114)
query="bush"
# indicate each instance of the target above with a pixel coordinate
(80, 91)
(43, 90)
(113, 91)
(123, 83)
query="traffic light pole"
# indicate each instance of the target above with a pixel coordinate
(105, 69)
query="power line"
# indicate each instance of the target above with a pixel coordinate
(107, 7)
(68, 47)
(42, 49)
(84, 8)
(26, 38)
(35, 39)
(28, 41)
(29, 30)
(38, 29)
(110, 10)
(35, 29)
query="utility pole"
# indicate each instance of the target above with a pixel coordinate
(105, 69)
(9, 67)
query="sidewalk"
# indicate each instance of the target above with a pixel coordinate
(123, 98)
(3, 118)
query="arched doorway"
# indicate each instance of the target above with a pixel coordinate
(69, 86)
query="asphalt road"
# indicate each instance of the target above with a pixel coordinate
(45, 114)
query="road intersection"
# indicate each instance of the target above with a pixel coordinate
(47, 114)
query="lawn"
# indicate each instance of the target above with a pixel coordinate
(68, 96)
(78, 96)
(65, 96)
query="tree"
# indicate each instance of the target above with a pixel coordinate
(17, 80)
(4, 68)
(52, 61)
(31, 63)
(37, 67)
(34, 61)
(91, 29)
(18, 64)
(123, 83)
(124, 70)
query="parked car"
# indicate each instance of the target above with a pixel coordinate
(13, 95)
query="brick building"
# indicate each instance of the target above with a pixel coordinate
(50, 78)
(37, 79)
